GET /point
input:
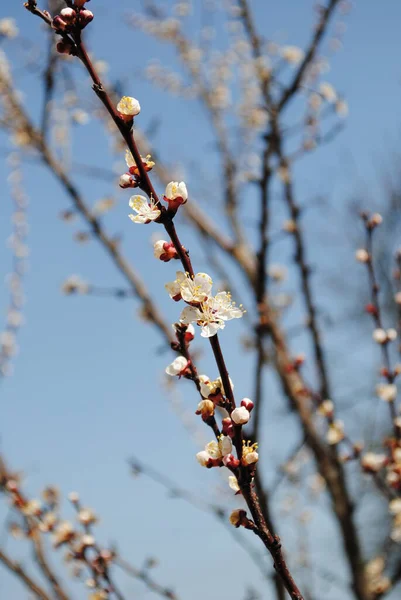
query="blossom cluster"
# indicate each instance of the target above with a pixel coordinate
(77, 540)
(209, 312)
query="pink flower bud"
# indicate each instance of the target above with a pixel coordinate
(247, 403)
(85, 17)
(164, 251)
(190, 332)
(68, 15)
(59, 23)
(230, 461)
(12, 486)
(63, 47)
(227, 427)
(127, 181)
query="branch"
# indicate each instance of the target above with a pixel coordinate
(320, 30)
(218, 512)
(16, 568)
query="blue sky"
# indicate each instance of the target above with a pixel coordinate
(87, 390)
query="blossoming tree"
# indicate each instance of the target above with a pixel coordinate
(262, 156)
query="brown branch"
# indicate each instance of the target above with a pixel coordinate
(216, 511)
(144, 576)
(305, 272)
(320, 30)
(16, 568)
(149, 309)
(41, 560)
(375, 311)
(269, 540)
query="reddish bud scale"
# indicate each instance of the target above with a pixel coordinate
(134, 169)
(68, 15)
(227, 427)
(298, 361)
(248, 404)
(169, 252)
(213, 462)
(84, 18)
(188, 337)
(59, 24)
(63, 47)
(174, 205)
(231, 462)
(371, 309)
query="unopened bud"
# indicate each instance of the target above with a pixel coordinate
(227, 427)
(376, 220)
(238, 518)
(230, 461)
(164, 251)
(362, 255)
(247, 403)
(68, 14)
(85, 17)
(58, 23)
(190, 332)
(63, 47)
(73, 497)
(127, 181)
(240, 415)
(206, 409)
(12, 486)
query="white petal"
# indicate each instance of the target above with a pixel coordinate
(190, 314)
(210, 329)
(138, 203)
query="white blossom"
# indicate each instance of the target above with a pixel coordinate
(205, 408)
(328, 92)
(203, 458)
(395, 506)
(292, 54)
(177, 367)
(212, 314)
(397, 297)
(128, 107)
(379, 336)
(86, 516)
(362, 255)
(126, 180)
(387, 391)
(215, 451)
(233, 483)
(133, 167)
(63, 533)
(175, 190)
(335, 433)
(240, 415)
(8, 28)
(196, 290)
(145, 212)
(209, 387)
(391, 334)
(158, 248)
(373, 462)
